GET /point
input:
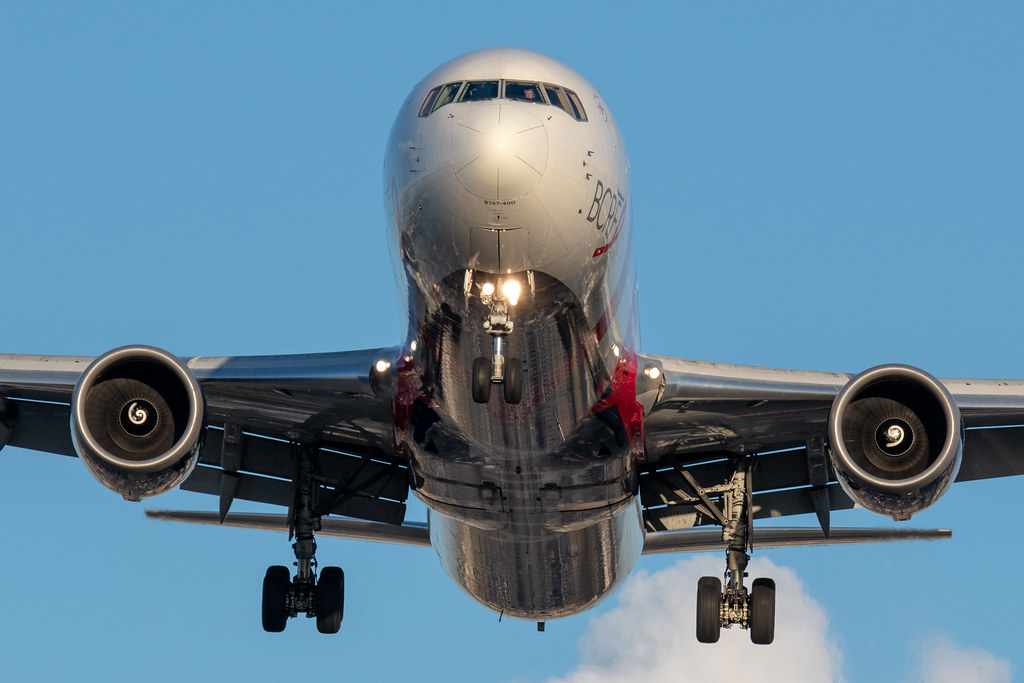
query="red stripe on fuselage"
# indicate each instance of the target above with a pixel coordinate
(623, 382)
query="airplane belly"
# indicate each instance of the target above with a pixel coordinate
(537, 566)
(533, 503)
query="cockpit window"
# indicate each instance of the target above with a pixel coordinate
(518, 91)
(557, 98)
(523, 91)
(577, 106)
(566, 100)
(479, 90)
(426, 107)
(446, 95)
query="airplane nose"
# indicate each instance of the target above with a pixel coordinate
(499, 151)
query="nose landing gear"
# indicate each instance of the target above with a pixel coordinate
(498, 369)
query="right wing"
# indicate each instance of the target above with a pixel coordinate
(258, 411)
(410, 533)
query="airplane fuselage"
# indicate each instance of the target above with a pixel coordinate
(505, 165)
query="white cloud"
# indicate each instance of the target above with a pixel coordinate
(649, 636)
(941, 661)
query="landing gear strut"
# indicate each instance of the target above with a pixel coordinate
(735, 605)
(285, 596)
(498, 369)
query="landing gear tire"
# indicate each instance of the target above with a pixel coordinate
(276, 585)
(513, 382)
(330, 600)
(482, 380)
(762, 612)
(709, 609)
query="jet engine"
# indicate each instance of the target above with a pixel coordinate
(896, 439)
(137, 420)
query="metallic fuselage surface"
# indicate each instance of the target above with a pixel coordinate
(533, 504)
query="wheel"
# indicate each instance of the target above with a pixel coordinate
(330, 599)
(276, 585)
(709, 609)
(762, 612)
(513, 382)
(482, 380)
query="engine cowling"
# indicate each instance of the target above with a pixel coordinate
(896, 439)
(137, 420)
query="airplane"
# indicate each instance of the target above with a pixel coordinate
(548, 448)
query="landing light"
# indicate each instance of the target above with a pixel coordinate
(381, 365)
(510, 289)
(487, 289)
(615, 350)
(413, 345)
(653, 372)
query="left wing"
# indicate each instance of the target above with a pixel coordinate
(695, 540)
(705, 420)
(258, 411)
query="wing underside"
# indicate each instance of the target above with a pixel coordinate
(704, 420)
(260, 411)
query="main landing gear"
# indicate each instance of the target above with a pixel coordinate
(735, 605)
(754, 610)
(498, 369)
(285, 596)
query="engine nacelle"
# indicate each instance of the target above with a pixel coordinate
(137, 420)
(896, 439)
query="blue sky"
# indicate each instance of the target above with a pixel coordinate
(816, 185)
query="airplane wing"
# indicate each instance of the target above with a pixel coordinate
(258, 411)
(410, 533)
(702, 418)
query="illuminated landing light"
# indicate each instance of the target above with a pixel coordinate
(510, 290)
(413, 345)
(487, 289)
(615, 350)
(653, 372)
(381, 365)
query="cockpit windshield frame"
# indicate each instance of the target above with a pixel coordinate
(516, 90)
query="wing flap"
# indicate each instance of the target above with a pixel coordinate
(992, 452)
(39, 426)
(776, 470)
(783, 537)
(275, 458)
(210, 480)
(406, 534)
(685, 514)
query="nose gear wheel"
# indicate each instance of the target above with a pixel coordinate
(497, 369)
